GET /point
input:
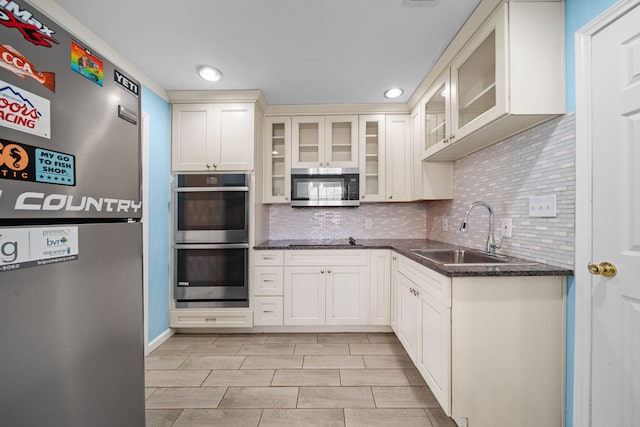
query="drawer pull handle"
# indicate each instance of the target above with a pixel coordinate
(268, 311)
(210, 319)
(268, 257)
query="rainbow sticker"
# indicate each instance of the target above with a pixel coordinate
(86, 63)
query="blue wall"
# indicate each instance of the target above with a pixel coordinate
(158, 215)
(578, 13)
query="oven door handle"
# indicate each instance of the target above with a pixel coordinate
(210, 189)
(212, 246)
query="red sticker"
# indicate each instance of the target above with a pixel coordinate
(13, 61)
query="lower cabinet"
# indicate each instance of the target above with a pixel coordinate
(326, 295)
(491, 349)
(211, 318)
(267, 288)
(326, 287)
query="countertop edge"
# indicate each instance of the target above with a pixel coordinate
(404, 247)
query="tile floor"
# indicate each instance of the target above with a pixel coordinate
(296, 380)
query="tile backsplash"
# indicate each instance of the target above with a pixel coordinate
(388, 221)
(536, 162)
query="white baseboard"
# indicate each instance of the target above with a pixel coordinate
(148, 348)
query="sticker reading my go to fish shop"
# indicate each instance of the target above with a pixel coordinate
(23, 162)
(24, 111)
(31, 247)
(83, 61)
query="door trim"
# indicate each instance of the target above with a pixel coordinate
(584, 200)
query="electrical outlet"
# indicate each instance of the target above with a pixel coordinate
(506, 224)
(542, 206)
(445, 224)
(367, 223)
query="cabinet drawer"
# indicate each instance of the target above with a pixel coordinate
(211, 319)
(327, 257)
(267, 258)
(267, 311)
(436, 284)
(268, 281)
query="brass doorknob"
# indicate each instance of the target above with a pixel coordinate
(605, 268)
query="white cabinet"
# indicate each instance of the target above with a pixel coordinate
(394, 293)
(326, 287)
(408, 316)
(508, 77)
(212, 137)
(325, 141)
(223, 318)
(304, 295)
(380, 287)
(466, 332)
(268, 287)
(277, 160)
(398, 158)
(372, 158)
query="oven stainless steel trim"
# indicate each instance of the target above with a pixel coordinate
(211, 296)
(207, 236)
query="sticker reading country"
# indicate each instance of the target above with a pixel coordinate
(24, 111)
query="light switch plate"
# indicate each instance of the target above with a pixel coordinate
(542, 206)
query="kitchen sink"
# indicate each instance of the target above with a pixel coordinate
(464, 257)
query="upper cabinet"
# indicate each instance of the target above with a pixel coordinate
(325, 141)
(372, 145)
(398, 158)
(508, 77)
(277, 159)
(212, 137)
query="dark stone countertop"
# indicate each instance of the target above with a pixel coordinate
(404, 247)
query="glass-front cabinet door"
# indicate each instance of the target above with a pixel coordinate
(372, 158)
(341, 150)
(277, 160)
(478, 79)
(308, 138)
(437, 119)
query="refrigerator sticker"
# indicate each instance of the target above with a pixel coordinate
(126, 83)
(86, 63)
(33, 31)
(12, 60)
(32, 247)
(24, 111)
(23, 162)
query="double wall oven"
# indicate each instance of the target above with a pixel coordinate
(211, 240)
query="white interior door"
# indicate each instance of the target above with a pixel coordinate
(615, 227)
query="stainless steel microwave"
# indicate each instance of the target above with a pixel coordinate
(325, 187)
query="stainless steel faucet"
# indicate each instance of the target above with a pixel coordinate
(491, 240)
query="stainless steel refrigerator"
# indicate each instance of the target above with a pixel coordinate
(71, 309)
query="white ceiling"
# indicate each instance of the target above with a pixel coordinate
(295, 51)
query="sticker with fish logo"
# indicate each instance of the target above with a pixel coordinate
(24, 111)
(33, 31)
(22, 162)
(12, 60)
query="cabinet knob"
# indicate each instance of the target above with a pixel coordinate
(215, 165)
(327, 163)
(320, 163)
(286, 198)
(322, 271)
(208, 166)
(451, 137)
(445, 141)
(391, 197)
(329, 271)
(394, 258)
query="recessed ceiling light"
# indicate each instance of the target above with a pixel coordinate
(393, 93)
(209, 73)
